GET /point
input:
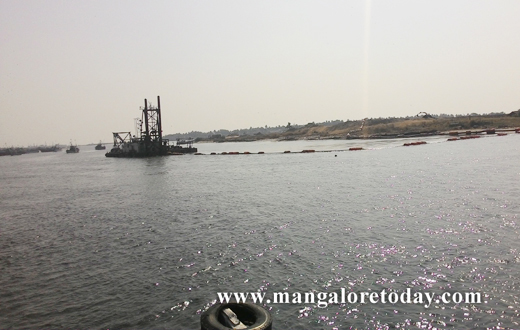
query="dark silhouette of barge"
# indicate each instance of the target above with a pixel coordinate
(149, 141)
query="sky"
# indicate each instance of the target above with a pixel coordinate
(80, 70)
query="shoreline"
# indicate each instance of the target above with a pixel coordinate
(459, 132)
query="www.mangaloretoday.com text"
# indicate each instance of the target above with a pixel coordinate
(323, 299)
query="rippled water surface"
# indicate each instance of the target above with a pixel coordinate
(94, 242)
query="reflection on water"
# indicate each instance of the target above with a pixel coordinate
(93, 242)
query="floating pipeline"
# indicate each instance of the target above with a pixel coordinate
(487, 131)
(414, 143)
(308, 151)
(305, 151)
(470, 137)
(464, 138)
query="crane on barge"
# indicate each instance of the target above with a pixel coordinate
(149, 141)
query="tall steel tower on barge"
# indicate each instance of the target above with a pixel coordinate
(151, 136)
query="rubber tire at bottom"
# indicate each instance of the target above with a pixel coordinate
(261, 319)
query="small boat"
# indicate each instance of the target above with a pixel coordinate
(100, 146)
(72, 149)
(54, 148)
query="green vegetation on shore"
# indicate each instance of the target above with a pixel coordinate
(367, 128)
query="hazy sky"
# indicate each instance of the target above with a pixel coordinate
(79, 70)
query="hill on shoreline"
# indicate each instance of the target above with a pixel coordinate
(362, 129)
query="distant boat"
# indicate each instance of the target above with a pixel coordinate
(100, 146)
(72, 149)
(54, 148)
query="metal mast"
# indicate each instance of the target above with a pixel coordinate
(151, 133)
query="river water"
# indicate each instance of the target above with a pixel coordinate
(104, 243)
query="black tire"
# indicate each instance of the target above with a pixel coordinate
(253, 316)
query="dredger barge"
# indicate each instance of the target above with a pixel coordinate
(149, 141)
